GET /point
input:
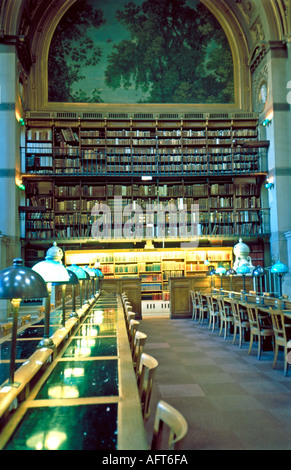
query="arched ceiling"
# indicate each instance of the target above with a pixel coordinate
(250, 26)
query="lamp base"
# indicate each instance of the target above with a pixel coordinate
(73, 315)
(46, 343)
(8, 385)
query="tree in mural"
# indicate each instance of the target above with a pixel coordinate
(70, 50)
(175, 54)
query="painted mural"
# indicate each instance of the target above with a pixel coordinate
(143, 51)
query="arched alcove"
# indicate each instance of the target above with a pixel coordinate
(234, 34)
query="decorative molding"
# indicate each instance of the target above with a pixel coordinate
(281, 107)
(7, 106)
(280, 171)
(7, 172)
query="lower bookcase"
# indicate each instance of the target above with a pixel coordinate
(154, 267)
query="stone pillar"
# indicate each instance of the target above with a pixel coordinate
(9, 163)
(286, 284)
(278, 132)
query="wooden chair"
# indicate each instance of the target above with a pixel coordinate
(240, 322)
(260, 327)
(282, 334)
(145, 380)
(138, 348)
(6, 328)
(128, 318)
(226, 318)
(195, 309)
(213, 311)
(167, 415)
(24, 319)
(40, 310)
(133, 327)
(202, 307)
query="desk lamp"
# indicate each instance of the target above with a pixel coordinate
(258, 272)
(16, 283)
(243, 270)
(92, 275)
(211, 273)
(230, 272)
(73, 281)
(279, 269)
(53, 272)
(220, 271)
(81, 275)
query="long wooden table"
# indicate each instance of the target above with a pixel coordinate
(88, 398)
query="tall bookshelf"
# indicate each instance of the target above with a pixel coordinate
(68, 209)
(74, 163)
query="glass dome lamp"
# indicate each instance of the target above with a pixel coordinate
(86, 301)
(258, 273)
(243, 270)
(53, 272)
(73, 281)
(279, 268)
(18, 283)
(92, 275)
(211, 273)
(230, 272)
(81, 275)
(220, 271)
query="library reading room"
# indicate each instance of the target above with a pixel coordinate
(145, 229)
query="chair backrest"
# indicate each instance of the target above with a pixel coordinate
(145, 380)
(252, 312)
(133, 327)
(24, 319)
(175, 422)
(138, 347)
(221, 306)
(278, 322)
(209, 302)
(235, 310)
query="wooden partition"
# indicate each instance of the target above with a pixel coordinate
(132, 287)
(180, 301)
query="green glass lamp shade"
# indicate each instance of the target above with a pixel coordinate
(98, 272)
(258, 271)
(80, 273)
(244, 269)
(212, 272)
(230, 272)
(279, 268)
(220, 270)
(90, 271)
(20, 282)
(73, 281)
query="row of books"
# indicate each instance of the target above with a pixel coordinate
(69, 134)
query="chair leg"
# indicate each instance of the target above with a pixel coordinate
(276, 348)
(214, 321)
(225, 329)
(259, 347)
(234, 333)
(285, 362)
(240, 336)
(221, 326)
(251, 342)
